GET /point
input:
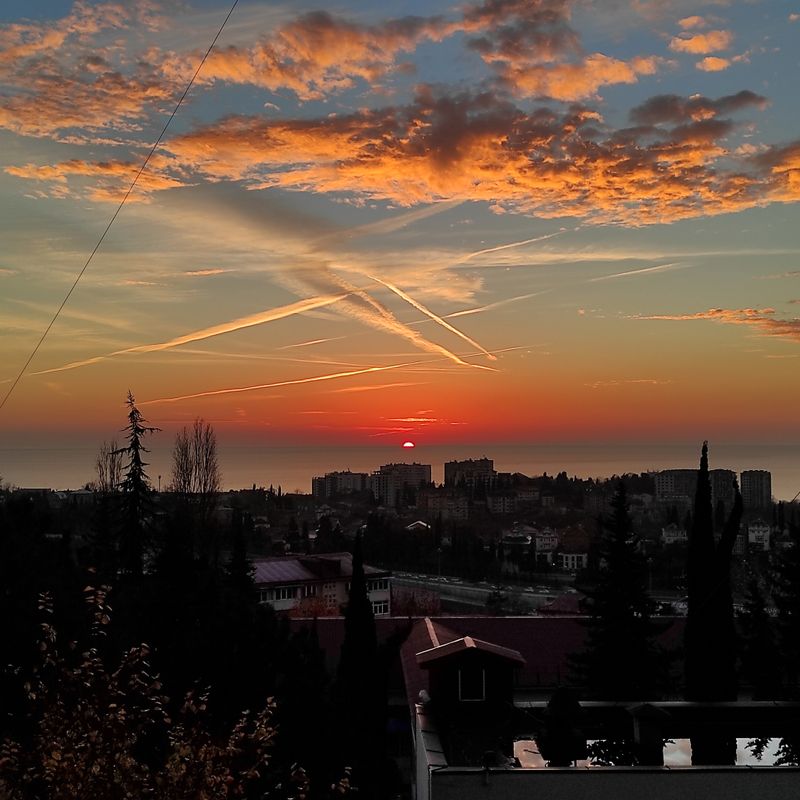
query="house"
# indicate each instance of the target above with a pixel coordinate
(673, 534)
(758, 535)
(320, 583)
(479, 732)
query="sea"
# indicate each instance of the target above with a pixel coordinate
(292, 467)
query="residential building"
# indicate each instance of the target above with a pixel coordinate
(673, 534)
(572, 562)
(501, 502)
(758, 535)
(756, 489)
(470, 472)
(723, 483)
(335, 483)
(321, 582)
(396, 485)
(675, 486)
(449, 504)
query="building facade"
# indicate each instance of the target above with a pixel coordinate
(756, 489)
(320, 583)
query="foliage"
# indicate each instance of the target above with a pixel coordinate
(759, 651)
(786, 594)
(101, 732)
(621, 660)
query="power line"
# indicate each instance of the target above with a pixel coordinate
(119, 208)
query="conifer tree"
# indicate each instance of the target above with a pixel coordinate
(622, 660)
(357, 683)
(710, 634)
(136, 489)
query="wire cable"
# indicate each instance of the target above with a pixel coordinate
(119, 207)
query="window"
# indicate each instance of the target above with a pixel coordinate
(264, 596)
(285, 593)
(380, 607)
(380, 584)
(471, 684)
(309, 591)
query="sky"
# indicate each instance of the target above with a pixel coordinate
(501, 221)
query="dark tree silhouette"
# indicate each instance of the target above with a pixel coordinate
(622, 660)
(357, 690)
(759, 650)
(136, 489)
(786, 593)
(710, 635)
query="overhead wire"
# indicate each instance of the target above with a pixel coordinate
(119, 208)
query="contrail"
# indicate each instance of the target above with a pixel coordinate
(444, 323)
(659, 268)
(498, 304)
(243, 322)
(314, 379)
(310, 342)
(506, 246)
(216, 330)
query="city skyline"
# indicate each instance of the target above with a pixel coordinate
(478, 222)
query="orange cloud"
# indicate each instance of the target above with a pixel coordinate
(688, 23)
(762, 319)
(91, 91)
(701, 43)
(569, 82)
(481, 148)
(713, 64)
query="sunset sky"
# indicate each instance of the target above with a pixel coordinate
(508, 221)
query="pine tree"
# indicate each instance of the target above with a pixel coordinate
(622, 660)
(136, 489)
(710, 634)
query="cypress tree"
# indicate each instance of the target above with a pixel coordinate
(357, 682)
(710, 634)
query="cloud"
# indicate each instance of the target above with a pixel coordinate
(633, 381)
(688, 23)
(713, 64)
(763, 320)
(205, 273)
(315, 379)
(644, 270)
(673, 164)
(702, 43)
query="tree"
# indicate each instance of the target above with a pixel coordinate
(759, 651)
(710, 633)
(786, 594)
(196, 479)
(109, 467)
(357, 688)
(136, 489)
(622, 660)
(98, 730)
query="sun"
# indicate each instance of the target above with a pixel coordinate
(409, 445)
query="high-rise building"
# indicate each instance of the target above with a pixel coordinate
(470, 472)
(395, 484)
(756, 488)
(333, 483)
